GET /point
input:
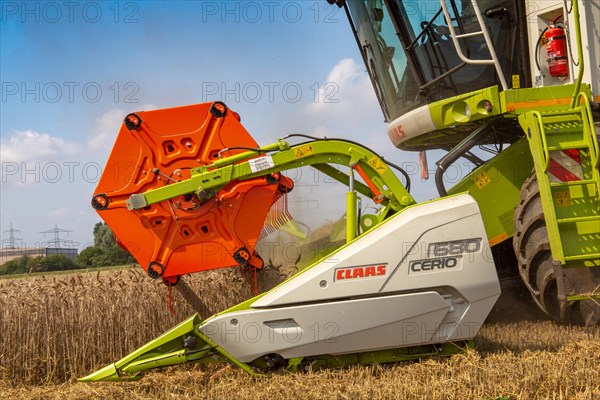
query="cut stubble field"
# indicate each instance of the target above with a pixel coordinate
(57, 328)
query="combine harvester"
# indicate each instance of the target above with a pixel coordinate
(187, 189)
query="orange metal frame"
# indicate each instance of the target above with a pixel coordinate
(184, 234)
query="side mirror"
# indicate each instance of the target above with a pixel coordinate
(339, 3)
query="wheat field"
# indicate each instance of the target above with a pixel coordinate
(57, 328)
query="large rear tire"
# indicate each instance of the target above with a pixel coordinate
(536, 266)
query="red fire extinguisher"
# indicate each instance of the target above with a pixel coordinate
(558, 62)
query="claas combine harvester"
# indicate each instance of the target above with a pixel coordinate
(512, 86)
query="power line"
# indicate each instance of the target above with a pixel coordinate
(12, 240)
(56, 241)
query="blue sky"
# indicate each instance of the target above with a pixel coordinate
(71, 71)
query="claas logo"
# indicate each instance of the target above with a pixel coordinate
(362, 271)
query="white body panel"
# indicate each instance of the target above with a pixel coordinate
(410, 125)
(385, 290)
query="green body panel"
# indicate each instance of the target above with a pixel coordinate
(510, 103)
(466, 107)
(548, 98)
(496, 186)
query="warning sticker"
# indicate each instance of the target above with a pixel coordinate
(564, 199)
(377, 164)
(261, 163)
(516, 81)
(482, 179)
(303, 151)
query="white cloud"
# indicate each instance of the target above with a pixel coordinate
(347, 93)
(322, 131)
(30, 146)
(104, 133)
(107, 126)
(29, 158)
(58, 213)
(353, 111)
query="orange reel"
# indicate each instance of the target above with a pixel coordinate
(185, 234)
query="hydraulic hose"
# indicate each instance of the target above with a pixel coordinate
(457, 152)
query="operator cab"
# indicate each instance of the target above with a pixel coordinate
(415, 58)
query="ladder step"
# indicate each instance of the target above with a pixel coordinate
(557, 126)
(561, 118)
(579, 297)
(574, 183)
(553, 130)
(581, 257)
(569, 146)
(571, 111)
(578, 219)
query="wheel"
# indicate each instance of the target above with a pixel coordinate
(536, 266)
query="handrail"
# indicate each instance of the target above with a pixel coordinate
(579, 53)
(586, 111)
(542, 134)
(494, 61)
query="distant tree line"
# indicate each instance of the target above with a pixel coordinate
(104, 253)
